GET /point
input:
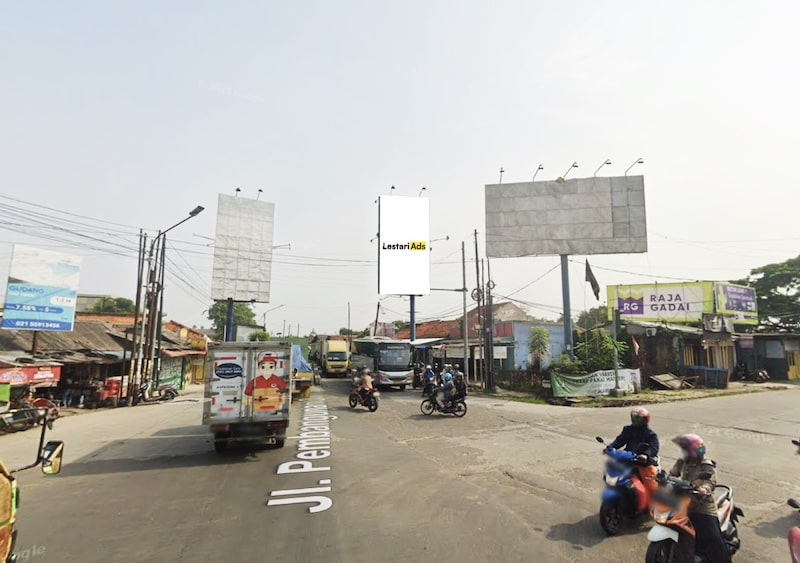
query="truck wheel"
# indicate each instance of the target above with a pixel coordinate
(279, 443)
(220, 442)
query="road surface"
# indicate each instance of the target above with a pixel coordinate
(508, 482)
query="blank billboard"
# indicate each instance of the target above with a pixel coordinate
(243, 249)
(404, 266)
(582, 216)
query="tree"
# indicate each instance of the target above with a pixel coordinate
(777, 289)
(596, 351)
(114, 305)
(259, 336)
(593, 318)
(538, 346)
(354, 333)
(218, 314)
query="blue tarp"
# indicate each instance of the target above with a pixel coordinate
(298, 362)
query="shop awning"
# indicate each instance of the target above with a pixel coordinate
(182, 353)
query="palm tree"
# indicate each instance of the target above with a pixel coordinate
(539, 347)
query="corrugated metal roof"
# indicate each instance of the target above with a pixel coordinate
(84, 336)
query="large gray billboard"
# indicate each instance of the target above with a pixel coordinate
(243, 249)
(580, 217)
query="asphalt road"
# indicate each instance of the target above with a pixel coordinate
(508, 482)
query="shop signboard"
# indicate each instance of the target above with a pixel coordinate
(668, 302)
(736, 301)
(44, 376)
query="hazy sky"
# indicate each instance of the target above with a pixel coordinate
(135, 112)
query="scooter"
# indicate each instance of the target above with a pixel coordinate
(163, 393)
(794, 533)
(49, 456)
(458, 407)
(625, 496)
(741, 373)
(670, 510)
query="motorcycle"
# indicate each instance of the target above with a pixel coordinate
(669, 510)
(625, 495)
(429, 388)
(370, 399)
(163, 393)
(456, 407)
(49, 456)
(794, 533)
(741, 373)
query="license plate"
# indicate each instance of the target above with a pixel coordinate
(376, 394)
(270, 441)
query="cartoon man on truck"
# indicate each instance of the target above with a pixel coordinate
(265, 392)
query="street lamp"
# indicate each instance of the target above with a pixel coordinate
(574, 165)
(264, 315)
(155, 305)
(606, 163)
(637, 161)
(541, 167)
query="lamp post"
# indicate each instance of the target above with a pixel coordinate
(155, 304)
(574, 165)
(606, 163)
(541, 167)
(635, 162)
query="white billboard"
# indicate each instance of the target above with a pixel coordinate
(580, 217)
(404, 266)
(42, 290)
(243, 249)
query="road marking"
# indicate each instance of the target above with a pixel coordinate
(314, 443)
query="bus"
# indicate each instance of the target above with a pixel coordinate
(391, 361)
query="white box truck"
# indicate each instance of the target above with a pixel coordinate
(248, 392)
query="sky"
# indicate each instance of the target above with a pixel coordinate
(127, 115)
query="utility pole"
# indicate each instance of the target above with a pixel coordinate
(489, 328)
(483, 328)
(478, 299)
(160, 309)
(138, 334)
(464, 324)
(154, 318)
(378, 312)
(283, 334)
(229, 321)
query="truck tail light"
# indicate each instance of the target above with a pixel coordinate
(217, 428)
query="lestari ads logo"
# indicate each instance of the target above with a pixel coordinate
(413, 246)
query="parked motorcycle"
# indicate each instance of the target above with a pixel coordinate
(625, 495)
(457, 407)
(670, 510)
(49, 456)
(741, 373)
(370, 399)
(163, 393)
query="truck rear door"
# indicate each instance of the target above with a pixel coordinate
(227, 383)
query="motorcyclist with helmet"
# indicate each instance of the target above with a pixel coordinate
(638, 438)
(428, 380)
(703, 508)
(444, 392)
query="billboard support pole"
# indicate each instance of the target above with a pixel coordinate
(229, 321)
(413, 319)
(567, 308)
(479, 311)
(35, 342)
(616, 391)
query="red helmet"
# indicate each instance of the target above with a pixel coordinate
(692, 444)
(640, 416)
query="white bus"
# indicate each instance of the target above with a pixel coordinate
(391, 361)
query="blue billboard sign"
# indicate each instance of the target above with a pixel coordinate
(42, 290)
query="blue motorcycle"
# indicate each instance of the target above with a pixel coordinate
(625, 496)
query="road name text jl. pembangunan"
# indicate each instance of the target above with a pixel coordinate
(314, 444)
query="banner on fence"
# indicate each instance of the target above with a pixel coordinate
(594, 384)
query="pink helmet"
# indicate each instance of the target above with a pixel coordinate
(692, 443)
(640, 416)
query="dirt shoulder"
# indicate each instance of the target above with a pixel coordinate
(645, 397)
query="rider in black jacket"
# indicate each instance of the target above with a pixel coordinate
(639, 439)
